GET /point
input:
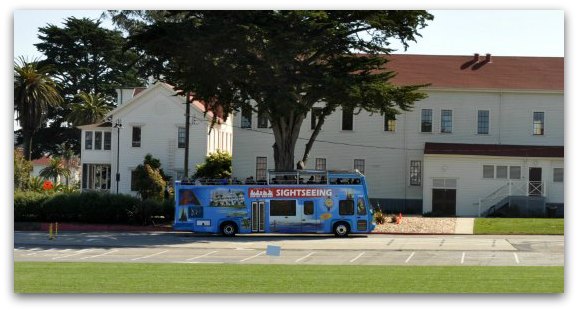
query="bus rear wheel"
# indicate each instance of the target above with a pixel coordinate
(341, 229)
(229, 229)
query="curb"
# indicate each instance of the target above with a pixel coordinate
(88, 227)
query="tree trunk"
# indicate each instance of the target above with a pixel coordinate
(286, 131)
(312, 139)
(27, 145)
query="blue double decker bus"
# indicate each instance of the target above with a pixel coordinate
(304, 201)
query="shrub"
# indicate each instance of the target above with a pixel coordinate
(28, 205)
(217, 165)
(379, 218)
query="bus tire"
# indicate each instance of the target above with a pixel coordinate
(341, 229)
(229, 229)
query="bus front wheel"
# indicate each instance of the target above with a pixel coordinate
(341, 229)
(229, 229)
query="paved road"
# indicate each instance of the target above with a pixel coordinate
(175, 247)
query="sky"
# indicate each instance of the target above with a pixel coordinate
(452, 32)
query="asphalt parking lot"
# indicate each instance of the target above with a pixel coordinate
(186, 248)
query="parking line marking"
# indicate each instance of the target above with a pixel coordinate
(148, 256)
(304, 257)
(261, 253)
(103, 254)
(516, 258)
(201, 256)
(82, 251)
(358, 256)
(409, 258)
(463, 257)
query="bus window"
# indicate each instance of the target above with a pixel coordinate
(282, 208)
(361, 210)
(345, 207)
(308, 208)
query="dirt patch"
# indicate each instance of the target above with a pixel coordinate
(417, 224)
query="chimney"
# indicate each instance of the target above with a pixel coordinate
(488, 58)
(476, 57)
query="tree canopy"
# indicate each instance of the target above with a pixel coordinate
(278, 62)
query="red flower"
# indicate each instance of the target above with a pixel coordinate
(47, 185)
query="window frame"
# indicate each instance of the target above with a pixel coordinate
(246, 120)
(259, 168)
(431, 121)
(88, 140)
(349, 111)
(554, 174)
(107, 142)
(510, 172)
(359, 163)
(318, 161)
(291, 208)
(344, 210)
(542, 123)
(478, 122)
(389, 127)
(181, 139)
(415, 180)
(260, 117)
(138, 134)
(98, 142)
(443, 124)
(484, 171)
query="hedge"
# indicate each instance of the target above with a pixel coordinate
(89, 207)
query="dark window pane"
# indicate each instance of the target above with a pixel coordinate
(136, 136)
(181, 137)
(426, 120)
(261, 168)
(483, 122)
(308, 208)
(538, 123)
(262, 120)
(389, 124)
(282, 208)
(97, 140)
(345, 207)
(107, 140)
(246, 115)
(446, 121)
(88, 140)
(347, 119)
(359, 164)
(415, 173)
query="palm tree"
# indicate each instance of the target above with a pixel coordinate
(55, 169)
(89, 109)
(34, 92)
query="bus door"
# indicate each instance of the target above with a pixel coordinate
(361, 214)
(309, 217)
(258, 216)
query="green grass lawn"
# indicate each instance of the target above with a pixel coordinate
(519, 226)
(41, 277)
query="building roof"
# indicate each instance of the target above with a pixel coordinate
(495, 150)
(44, 161)
(463, 72)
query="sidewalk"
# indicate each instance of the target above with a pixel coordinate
(464, 226)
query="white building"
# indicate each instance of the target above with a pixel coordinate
(153, 121)
(452, 153)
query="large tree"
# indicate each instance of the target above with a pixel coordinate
(34, 93)
(279, 62)
(88, 58)
(89, 108)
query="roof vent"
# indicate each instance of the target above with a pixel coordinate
(488, 58)
(476, 57)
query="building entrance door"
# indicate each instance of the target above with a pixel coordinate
(535, 185)
(444, 202)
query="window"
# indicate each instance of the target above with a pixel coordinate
(483, 121)
(347, 119)
(88, 140)
(97, 140)
(345, 207)
(515, 172)
(446, 121)
(246, 117)
(133, 178)
(389, 124)
(262, 120)
(488, 171)
(426, 120)
(501, 172)
(415, 173)
(282, 208)
(538, 123)
(261, 168)
(308, 208)
(315, 113)
(107, 140)
(136, 136)
(181, 137)
(359, 164)
(558, 174)
(96, 177)
(321, 164)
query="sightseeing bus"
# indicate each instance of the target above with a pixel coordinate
(304, 201)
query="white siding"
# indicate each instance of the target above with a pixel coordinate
(388, 154)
